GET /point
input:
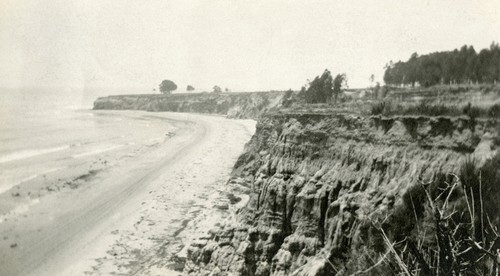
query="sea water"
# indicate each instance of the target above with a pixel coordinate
(41, 129)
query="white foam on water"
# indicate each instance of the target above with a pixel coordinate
(97, 151)
(9, 185)
(24, 154)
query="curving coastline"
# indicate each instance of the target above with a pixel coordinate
(324, 184)
(234, 105)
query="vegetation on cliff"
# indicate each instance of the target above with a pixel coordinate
(388, 108)
(447, 226)
(217, 89)
(448, 67)
(324, 88)
(402, 181)
(233, 105)
(340, 194)
(167, 86)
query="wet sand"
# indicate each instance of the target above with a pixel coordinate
(122, 209)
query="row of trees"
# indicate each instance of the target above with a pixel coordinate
(168, 86)
(449, 67)
(323, 88)
(218, 89)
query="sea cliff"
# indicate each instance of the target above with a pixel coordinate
(337, 190)
(233, 105)
(323, 187)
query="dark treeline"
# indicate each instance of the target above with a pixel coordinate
(323, 88)
(450, 67)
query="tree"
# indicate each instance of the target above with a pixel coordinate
(227, 89)
(376, 91)
(167, 86)
(287, 99)
(189, 88)
(463, 65)
(339, 81)
(412, 68)
(372, 79)
(217, 89)
(319, 90)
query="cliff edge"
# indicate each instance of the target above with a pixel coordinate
(343, 194)
(233, 105)
(403, 185)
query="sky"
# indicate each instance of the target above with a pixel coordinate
(239, 44)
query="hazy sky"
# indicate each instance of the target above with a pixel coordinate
(243, 45)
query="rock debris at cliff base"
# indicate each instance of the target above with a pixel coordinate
(352, 188)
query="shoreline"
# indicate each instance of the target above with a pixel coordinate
(153, 200)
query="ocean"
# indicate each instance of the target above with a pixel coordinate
(42, 129)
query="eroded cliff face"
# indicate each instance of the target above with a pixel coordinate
(234, 105)
(319, 183)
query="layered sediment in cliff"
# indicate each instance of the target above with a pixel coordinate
(234, 105)
(319, 184)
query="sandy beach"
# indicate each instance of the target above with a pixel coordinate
(125, 207)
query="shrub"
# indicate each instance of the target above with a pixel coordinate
(471, 111)
(460, 215)
(494, 111)
(287, 99)
(388, 108)
(378, 108)
(425, 108)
